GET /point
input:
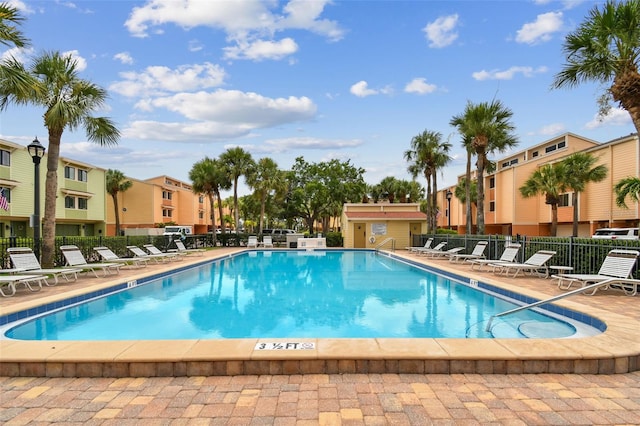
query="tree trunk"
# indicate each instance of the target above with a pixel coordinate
(434, 193)
(574, 201)
(480, 186)
(467, 194)
(554, 219)
(263, 202)
(117, 212)
(236, 212)
(220, 214)
(212, 207)
(51, 193)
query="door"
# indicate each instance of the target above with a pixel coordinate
(359, 235)
(415, 228)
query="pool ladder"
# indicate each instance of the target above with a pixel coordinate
(385, 241)
(552, 299)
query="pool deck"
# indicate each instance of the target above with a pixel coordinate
(617, 350)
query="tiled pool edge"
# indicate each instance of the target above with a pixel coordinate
(615, 351)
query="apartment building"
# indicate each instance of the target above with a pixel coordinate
(153, 202)
(80, 208)
(508, 213)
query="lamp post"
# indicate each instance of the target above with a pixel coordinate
(36, 150)
(449, 195)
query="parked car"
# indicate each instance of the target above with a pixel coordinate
(616, 234)
(278, 235)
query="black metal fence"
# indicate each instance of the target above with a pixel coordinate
(584, 255)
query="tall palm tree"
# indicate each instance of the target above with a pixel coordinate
(547, 180)
(52, 82)
(580, 171)
(238, 162)
(605, 48)
(467, 195)
(627, 187)
(10, 18)
(116, 182)
(266, 178)
(488, 126)
(428, 154)
(209, 177)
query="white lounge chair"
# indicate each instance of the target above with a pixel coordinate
(439, 247)
(477, 253)
(444, 253)
(508, 255)
(11, 281)
(109, 256)
(252, 242)
(138, 252)
(617, 264)
(23, 258)
(427, 245)
(535, 264)
(75, 259)
(155, 251)
(183, 250)
(267, 241)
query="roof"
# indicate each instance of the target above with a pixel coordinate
(386, 215)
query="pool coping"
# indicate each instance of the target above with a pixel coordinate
(616, 350)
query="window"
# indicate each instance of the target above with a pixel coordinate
(535, 154)
(167, 213)
(69, 202)
(167, 195)
(82, 175)
(505, 164)
(514, 161)
(83, 203)
(550, 148)
(201, 199)
(492, 206)
(7, 194)
(564, 200)
(562, 145)
(492, 182)
(201, 214)
(69, 172)
(5, 158)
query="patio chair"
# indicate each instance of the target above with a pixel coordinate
(252, 242)
(267, 241)
(138, 252)
(155, 251)
(11, 281)
(439, 247)
(183, 250)
(508, 255)
(536, 263)
(427, 245)
(476, 253)
(26, 262)
(617, 265)
(75, 259)
(109, 256)
(443, 253)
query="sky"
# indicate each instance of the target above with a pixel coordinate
(349, 80)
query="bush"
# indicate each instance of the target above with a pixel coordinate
(334, 239)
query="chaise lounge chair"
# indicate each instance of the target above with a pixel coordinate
(74, 258)
(24, 258)
(138, 252)
(109, 256)
(617, 266)
(508, 256)
(183, 250)
(535, 264)
(155, 251)
(477, 253)
(444, 253)
(252, 242)
(13, 280)
(439, 248)
(427, 245)
(267, 241)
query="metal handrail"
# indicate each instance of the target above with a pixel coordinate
(385, 241)
(553, 299)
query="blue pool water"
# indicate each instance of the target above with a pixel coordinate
(280, 294)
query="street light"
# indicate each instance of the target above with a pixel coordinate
(449, 195)
(36, 151)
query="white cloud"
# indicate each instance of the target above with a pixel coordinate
(420, 86)
(615, 117)
(361, 89)
(81, 63)
(261, 49)
(507, 74)
(441, 32)
(552, 129)
(21, 55)
(541, 30)
(195, 46)
(159, 80)
(123, 57)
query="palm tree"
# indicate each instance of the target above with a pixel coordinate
(605, 48)
(580, 171)
(464, 193)
(116, 182)
(547, 180)
(238, 162)
(266, 178)
(52, 82)
(209, 177)
(627, 187)
(489, 129)
(10, 18)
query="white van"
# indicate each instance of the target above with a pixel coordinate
(178, 231)
(616, 234)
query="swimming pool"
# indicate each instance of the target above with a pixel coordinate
(296, 294)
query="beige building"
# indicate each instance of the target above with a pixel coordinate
(508, 213)
(367, 225)
(157, 201)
